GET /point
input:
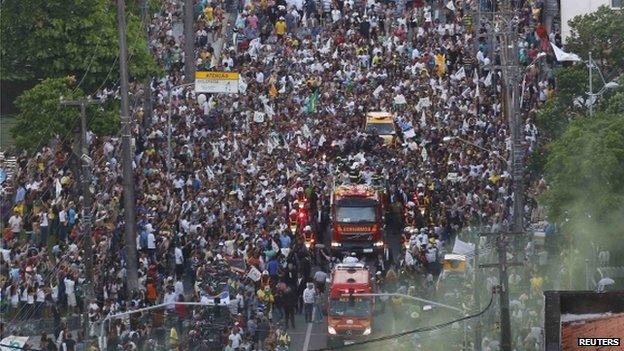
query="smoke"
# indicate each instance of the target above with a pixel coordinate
(585, 172)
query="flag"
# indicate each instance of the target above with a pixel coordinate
(475, 79)
(564, 56)
(258, 117)
(311, 107)
(235, 146)
(460, 74)
(378, 90)
(209, 173)
(409, 133)
(254, 274)
(322, 140)
(488, 79)
(450, 6)
(463, 248)
(273, 91)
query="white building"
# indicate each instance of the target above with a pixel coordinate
(573, 8)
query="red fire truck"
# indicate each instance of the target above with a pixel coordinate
(357, 219)
(349, 317)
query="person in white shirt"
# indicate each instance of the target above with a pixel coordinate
(43, 228)
(308, 301)
(320, 278)
(170, 297)
(151, 243)
(70, 285)
(15, 222)
(63, 225)
(236, 338)
(179, 261)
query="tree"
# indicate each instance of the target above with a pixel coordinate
(585, 173)
(601, 33)
(58, 38)
(41, 118)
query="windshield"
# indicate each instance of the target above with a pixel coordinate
(380, 128)
(355, 214)
(342, 307)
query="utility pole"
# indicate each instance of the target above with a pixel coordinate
(502, 241)
(503, 31)
(126, 160)
(477, 295)
(189, 42)
(590, 64)
(87, 163)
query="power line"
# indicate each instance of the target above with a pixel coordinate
(413, 331)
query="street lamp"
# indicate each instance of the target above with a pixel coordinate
(169, 151)
(447, 139)
(593, 97)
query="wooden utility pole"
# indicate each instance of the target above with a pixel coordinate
(502, 242)
(477, 295)
(132, 275)
(85, 181)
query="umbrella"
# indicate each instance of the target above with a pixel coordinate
(602, 283)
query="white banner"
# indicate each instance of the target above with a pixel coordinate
(254, 274)
(258, 117)
(564, 56)
(463, 248)
(13, 343)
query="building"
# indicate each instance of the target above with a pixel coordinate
(572, 8)
(570, 315)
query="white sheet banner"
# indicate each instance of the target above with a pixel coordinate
(13, 343)
(463, 248)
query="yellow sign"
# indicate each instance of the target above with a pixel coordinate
(216, 75)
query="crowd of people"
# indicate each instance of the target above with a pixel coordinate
(309, 71)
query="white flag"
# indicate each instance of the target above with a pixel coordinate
(258, 117)
(306, 131)
(488, 79)
(58, 187)
(235, 146)
(450, 6)
(475, 79)
(254, 274)
(564, 56)
(409, 133)
(209, 173)
(461, 74)
(322, 140)
(378, 90)
(463, 248)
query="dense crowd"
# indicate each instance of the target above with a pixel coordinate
(309, 73)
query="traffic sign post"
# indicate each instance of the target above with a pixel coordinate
(216, 82)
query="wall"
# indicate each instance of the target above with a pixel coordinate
(573, 8)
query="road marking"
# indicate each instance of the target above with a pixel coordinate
(306, 343)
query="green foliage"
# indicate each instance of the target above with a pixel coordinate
(553, 117)
(601, 33)
(56, 38)
(585, 173)
(41, 117)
